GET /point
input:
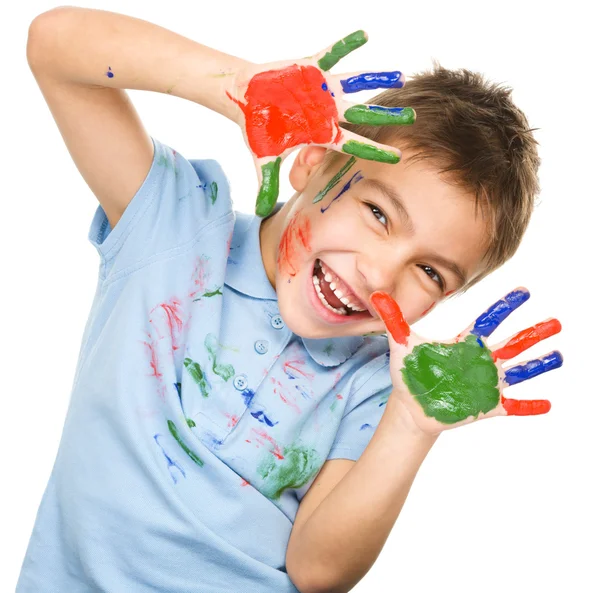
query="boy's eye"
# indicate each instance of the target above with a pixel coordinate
(380, 212)
(434, 276)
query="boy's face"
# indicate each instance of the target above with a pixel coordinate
(416, 254)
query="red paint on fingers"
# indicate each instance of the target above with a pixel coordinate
(526, 339)
(389, 311)
(525, 407)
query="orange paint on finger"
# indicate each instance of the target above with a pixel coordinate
(389, 311)
(525, 407)
(527, 338)
(294, 241)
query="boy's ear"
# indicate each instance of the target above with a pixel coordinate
(307, 161)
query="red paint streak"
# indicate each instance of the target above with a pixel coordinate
(527, 338)
(173, 320)
(525, 407)
(389, 311)
(287, 107)
(428, 309)
(248, 441)
(294, 365)
(244, 483)
(279, 389)
(264, 435)
(151, 346)
(233, 419)
(296, 237)
(339, 396)
(200, 276)
(449, 293)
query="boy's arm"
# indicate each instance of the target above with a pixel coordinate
(344, 520)
(82, 59)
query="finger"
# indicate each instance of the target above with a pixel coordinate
(525, 407)
(389, 311)
(358, 146)
(526, 339)
(333, 54)
(269, 187)
(532, 368)
(375, 115)
(488, 321)
(354, 82)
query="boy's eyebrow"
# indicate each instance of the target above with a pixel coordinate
(394, 197)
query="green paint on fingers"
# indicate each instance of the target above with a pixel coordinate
(299, 464)
(452, 382)
(269, 190)
(195, 371)
(380, 116)
(225, 371)
(191, 454)
(342, 48)
(334, 180)
(370, 152)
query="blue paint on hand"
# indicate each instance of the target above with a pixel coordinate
(533, 368)
(487, 322)
(324, 86)
(373, 80)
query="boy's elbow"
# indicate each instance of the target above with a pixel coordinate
(311, 579)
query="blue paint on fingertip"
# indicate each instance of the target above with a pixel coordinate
(372, 80)
(488, 321)
(533, 368)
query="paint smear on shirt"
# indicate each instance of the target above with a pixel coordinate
(225, 371)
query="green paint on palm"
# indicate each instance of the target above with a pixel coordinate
(269, 190)
(214, 189)
(195, 371)
(191, 454)
(341, 49)
(299, 464)
(452, 381)
(370, 152)
(380, 116)
(334, 180)
(226, 371)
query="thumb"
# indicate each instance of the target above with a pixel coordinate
(391, 315)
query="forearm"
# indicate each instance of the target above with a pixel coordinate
(84, 45)
(343, 537)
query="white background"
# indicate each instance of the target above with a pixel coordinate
(504, 504)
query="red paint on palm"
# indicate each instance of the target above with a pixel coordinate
(389, 311)
(517, 407)
(527, 338)
(296, 237)
(288, 107)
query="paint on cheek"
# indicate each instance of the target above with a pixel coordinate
(298, 466)
(287, 107)
(294, 242)
(370, 152)
(527, 338)
(110, 73)
(428, 309)
(334, 180)
(452, 382)
(354, 179)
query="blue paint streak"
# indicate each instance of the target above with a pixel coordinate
(248, 396)
(264, 418)
(178, 387)
(372, 80)
(354, 179)
(324, 86)
(480, 342)
(393, 110)
(170, 462)
(332, 94)
(533, 368)
(365, 426)
(498, 312)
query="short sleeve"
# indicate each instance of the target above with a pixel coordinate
(362, 418)
(176, 201)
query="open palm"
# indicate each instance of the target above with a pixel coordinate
(451, 383)
(287, 104)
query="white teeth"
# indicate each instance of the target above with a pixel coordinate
(328, 277)
(341, 311)
(338, 293)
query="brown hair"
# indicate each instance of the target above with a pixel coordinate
(473, 132)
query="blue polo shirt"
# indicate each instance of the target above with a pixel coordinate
(197, 419)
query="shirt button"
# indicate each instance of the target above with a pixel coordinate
(261, 346)
(277, 321)
(240, 382)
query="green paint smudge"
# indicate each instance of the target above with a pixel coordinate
(195, 371)
(214, 188)
(191, 454)
(370, 152)
(334, 180)
(226, 371)
(452, 382)
(269, 190)
(299, 464)
(379, 116)
(190, 423)
(341, 49)
(213, 293)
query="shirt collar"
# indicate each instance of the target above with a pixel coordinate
(246, 274)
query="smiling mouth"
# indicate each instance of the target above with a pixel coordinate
(327, 285)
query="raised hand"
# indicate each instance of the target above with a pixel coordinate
(451, 383)
(284, 105)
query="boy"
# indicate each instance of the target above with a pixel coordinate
(231, 417)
